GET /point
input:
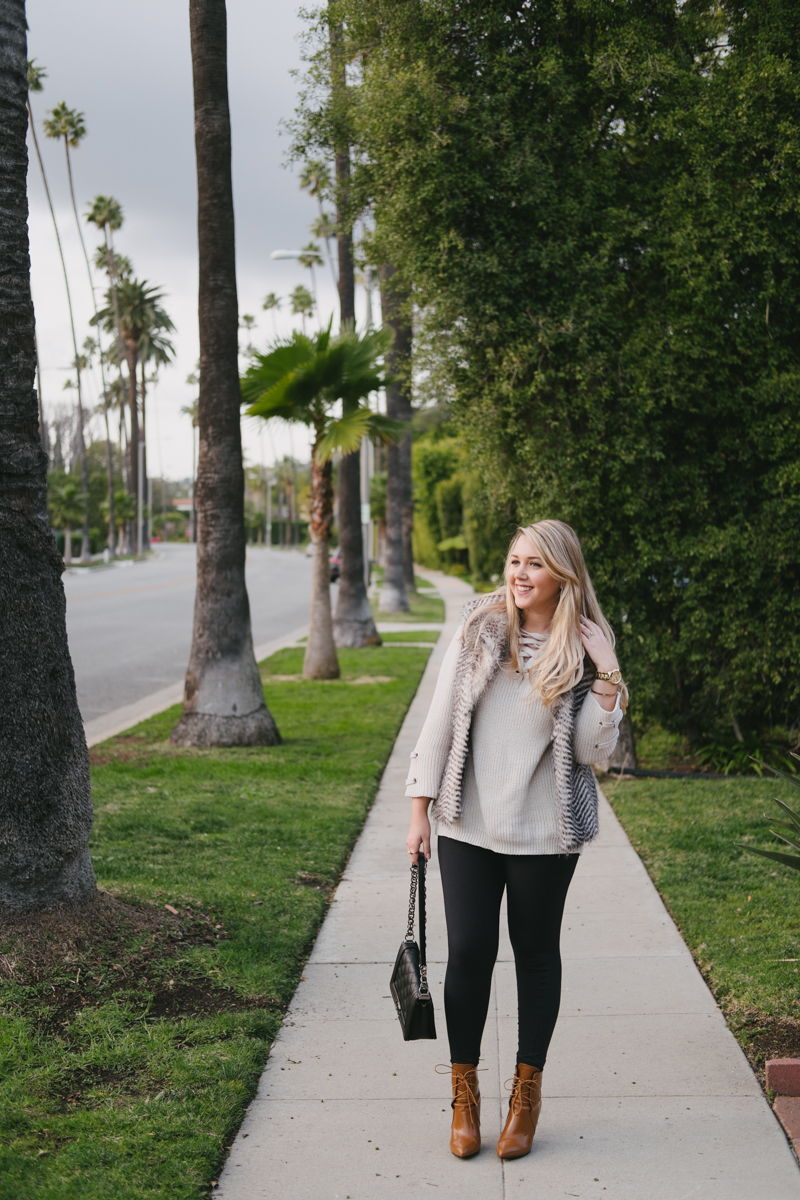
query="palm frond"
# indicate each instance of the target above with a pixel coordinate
(386, 429)
(344, 433)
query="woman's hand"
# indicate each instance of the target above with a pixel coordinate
(597, 646)
(419, 833)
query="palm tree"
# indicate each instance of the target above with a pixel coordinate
(324, 227)
(398, 578)
(271, 304)
(69, 124)
(106, 213)
(302, 303)
(353, 623)
(67, 508)
(35, 75)
(45, 794)
(124, 514)
(311, 258)
(139, 312)
(156, 348)
(224, 698)
(315, 178)
(305, 379)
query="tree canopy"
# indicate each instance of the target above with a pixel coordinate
(596, 207)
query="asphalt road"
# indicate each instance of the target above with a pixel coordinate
(130, 625)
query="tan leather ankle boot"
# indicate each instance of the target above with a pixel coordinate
(523, 1113)
(465, 1135)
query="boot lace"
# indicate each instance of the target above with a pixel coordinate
(463, 1095)
(523, 1092)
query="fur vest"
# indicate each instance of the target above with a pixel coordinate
(484, 649)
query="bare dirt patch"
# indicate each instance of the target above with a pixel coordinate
(62, 960)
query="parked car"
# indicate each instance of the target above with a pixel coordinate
(335, 564)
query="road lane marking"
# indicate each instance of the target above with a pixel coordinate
(150, 587)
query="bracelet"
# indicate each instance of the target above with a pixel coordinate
(614, 693)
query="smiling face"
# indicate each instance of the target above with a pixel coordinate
(534, 589)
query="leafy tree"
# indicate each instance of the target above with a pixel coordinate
(309, 380)
(45, 792)
(224, 698)
(598, 208)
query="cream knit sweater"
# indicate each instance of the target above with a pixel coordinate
(509, 801)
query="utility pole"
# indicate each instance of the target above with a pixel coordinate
(140, 499)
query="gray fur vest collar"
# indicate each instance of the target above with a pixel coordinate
(483, 651)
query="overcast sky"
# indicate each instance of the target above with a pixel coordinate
(128, 70)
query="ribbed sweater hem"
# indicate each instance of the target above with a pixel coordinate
(479, 837)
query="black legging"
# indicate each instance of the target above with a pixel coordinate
(473, 880)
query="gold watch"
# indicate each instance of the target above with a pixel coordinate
(614, 677)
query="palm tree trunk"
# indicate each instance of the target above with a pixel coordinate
(146, 531)
(353, 624)
(320, 660)
(394, 596)
(133, 405)
(224, 698)
(68, 545)
(45, 798)
(42, 423)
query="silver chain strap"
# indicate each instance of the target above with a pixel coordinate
(412, 902)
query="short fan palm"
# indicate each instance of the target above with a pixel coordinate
(322, 382)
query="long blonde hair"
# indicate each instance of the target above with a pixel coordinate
(560, 664)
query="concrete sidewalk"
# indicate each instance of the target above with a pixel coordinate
(647, 1094)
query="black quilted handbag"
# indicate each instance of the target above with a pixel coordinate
(409, 982)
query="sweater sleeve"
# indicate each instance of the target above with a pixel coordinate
(430, 753)
(596, 731)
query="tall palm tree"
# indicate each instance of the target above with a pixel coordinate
(224, 699)
(311, 258)
(106, 213)
(307, 379)
(353, 624)
(35, 75)
(45, 795)
(157, 349)
(272, 304)
(69, 124)
(138, 310)
(398, 578)
(302, 303)
(315, 178)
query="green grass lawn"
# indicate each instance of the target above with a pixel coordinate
(739, 913)
(424, 607)
(413, 635)
(127, 1060)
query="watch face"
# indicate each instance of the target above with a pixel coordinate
(615, 677)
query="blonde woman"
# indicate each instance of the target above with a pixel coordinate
(529, 695)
